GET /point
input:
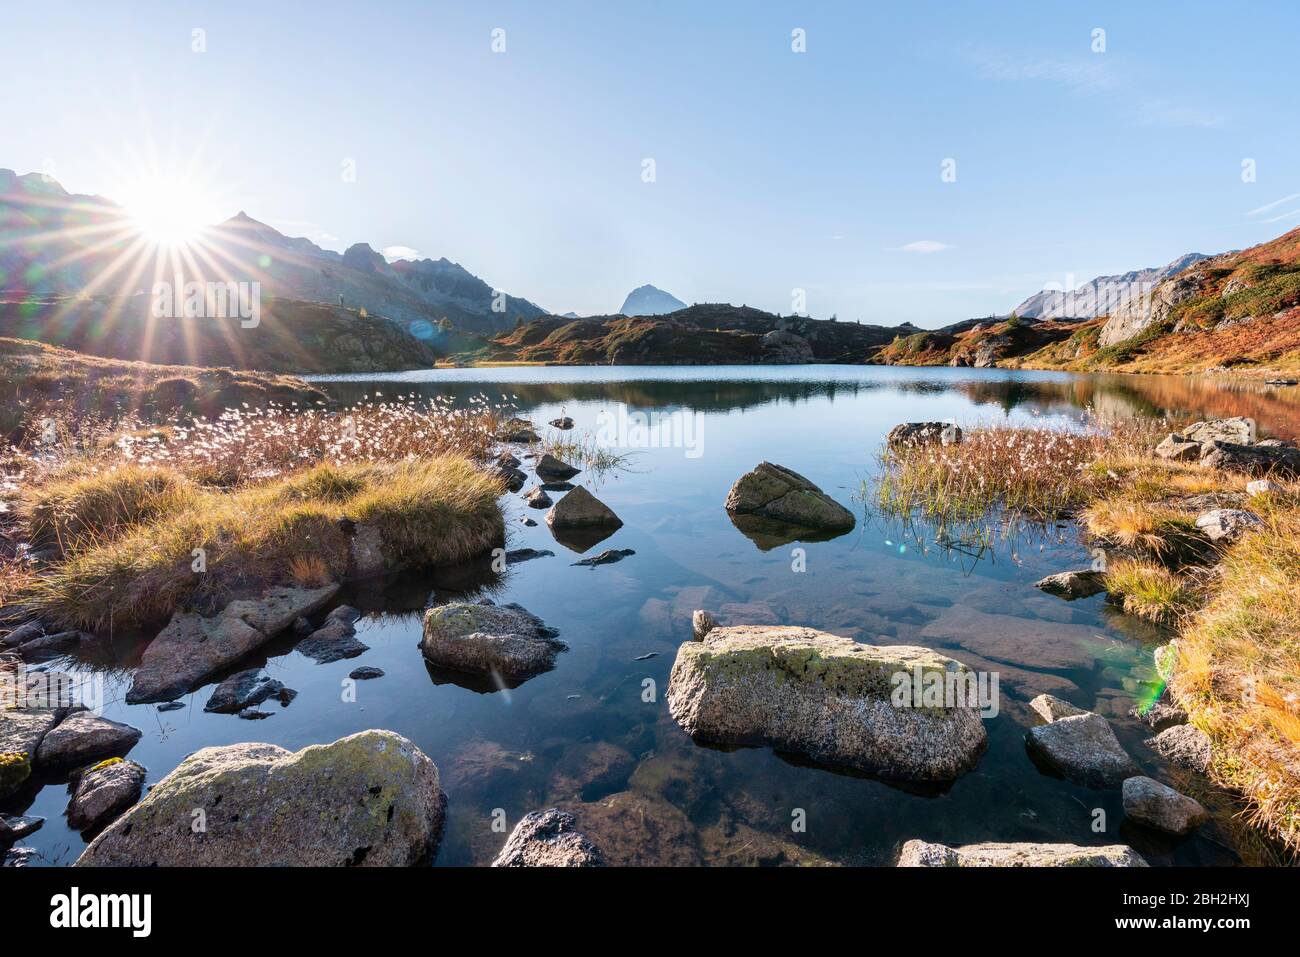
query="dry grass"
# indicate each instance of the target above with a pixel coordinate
(1149, 590)
(1165, 533)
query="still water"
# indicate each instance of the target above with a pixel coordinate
(594, 735)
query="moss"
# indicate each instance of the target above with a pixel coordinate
(106, 763)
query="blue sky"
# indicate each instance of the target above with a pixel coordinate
(774, 170)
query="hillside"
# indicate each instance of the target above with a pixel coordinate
(296, 337)
(38, 380)
(704, 334)
(1100, 294)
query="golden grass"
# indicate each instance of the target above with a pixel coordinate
(218, 543)
(1149, 590)
(1161, 532)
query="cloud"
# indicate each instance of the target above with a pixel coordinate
(392, 253)
(923, 246)
(1273, 205)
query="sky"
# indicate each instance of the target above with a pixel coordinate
(915, 162)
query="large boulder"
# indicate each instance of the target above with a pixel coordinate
(1177, 448)
(548, 838)
(923, 433)
(1157, 805)
(487, 639)
(1184, 745)
(1276, 460)
(1084, 749)
(1225, 525)
(21, 731)
(826, 697)
(371, 799)
(104, 791)
(83, 737)
(1239, 430)
(925, 854)
(193, 647)
(580, 509)
(774, 492)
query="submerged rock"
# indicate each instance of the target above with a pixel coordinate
(925, 854)
(527, 554)
(548, 839)
(581, 509)
(103, 792)
(826, 697)
(608, 557)
(776, 493)
(245, 689)
(50, 646)
(371, 799)
(923, 433)
(1072, 585)
(193, 647)
(1185, 745)
(1157, 805)
(1083, 749)
(83, 737)
(486, 639)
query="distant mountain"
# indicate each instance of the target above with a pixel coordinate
(59, 244)
(1102, 295)
(650, 301)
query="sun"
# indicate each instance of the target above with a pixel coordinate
(168, 211)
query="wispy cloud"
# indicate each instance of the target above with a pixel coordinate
(923, 246)
(392, 253)
(1273, 205)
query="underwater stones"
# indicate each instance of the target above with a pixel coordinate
(193, 647)
(608, 557)
(825, 697)
(83, 737)
(488, 639)
(51, 646)
(551, 469)
(1072, 585)
(547, 839)
(1159, 806)
(1226, 525)
(372, 799)
(245, 689)
(776, 493)
(1082, 748)
(633, 829)
(580, 509)
(103, 792)
(1184, 745)
(1010, 638)
(1050, 708)
(924, 854)
(21, 731)
(518, 555)
(923, 433)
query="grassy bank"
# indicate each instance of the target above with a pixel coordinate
(1232, 610)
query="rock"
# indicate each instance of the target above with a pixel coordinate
(581, 509)
(487, 639)
(365, 673)
(1083, 749)
(19, 857)
(829, 698)
(1185, 745)
(192, 647)
(923, 433)
(84, 737)
(1159, 715)
(1138, 312)
(607, 557)
(924, 854)
(1227, 524)
(1051, 708)
(302, 627)
(551, 469)
(537, 498)
(1252, 459)
(773, 492)
(21, 732)
(513, 478)
(1178, 449)
(1016, 640)
(785, 347)
(22, 634)
(528, 522)
(371, 799)
(171, 706)
(1072, 585)
(527, 555)
(564, 423)
(103, 792)
(517, 430)
(243, 690)
(547, 839)
(50, 646)
(1165, 660)
(1263, 487)
(253, 714)
(507, 460)
(702, 622)
(634, 829)
(1238, 430)
(335, 639)
(14, 827)
(1157, 805)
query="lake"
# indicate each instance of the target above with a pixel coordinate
(595, 735)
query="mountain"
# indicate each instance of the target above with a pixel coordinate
(649, 301)
(1102, 295)
(55, 243)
